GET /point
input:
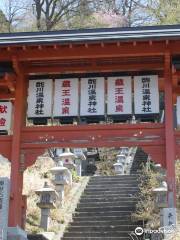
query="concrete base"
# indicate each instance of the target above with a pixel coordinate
(16, 233)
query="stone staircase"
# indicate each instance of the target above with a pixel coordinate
(140, 159)
(104, 211)
(105, 208)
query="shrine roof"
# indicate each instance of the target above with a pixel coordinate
(92, 35)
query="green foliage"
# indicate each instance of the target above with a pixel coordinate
(3, 22)
(75, 177)
(107, 159)
(145, 208)
(163, 11)
(106, 168)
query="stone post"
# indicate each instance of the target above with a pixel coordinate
(78, 166)
(4, 206)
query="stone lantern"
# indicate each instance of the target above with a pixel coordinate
(68, 159)
(121, 158)
(161, 195)
(124, 150)
(78, 161)
(48, 197)
(60, 179)
(119, 168)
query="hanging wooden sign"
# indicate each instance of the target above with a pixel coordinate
(92, 96)
(119, 95)
(66, 97)
(40, 98)
(146, 94)
(5, 115)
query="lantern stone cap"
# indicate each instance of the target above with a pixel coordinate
(91, 153)
(81, 156)
(79, 153)
(122, 148)
(67, 154)
(117, 164)
(59, 167)
(158, 165)
(46, 188)
(121, 155)
(162, 188)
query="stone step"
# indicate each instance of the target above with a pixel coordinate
(121, 222)
(112, 233)
(115, 178)
(103, 218)
(107, 204)
(125, 195)
(107, 193)
(105, 209)
(122, 198)
(111, 188)
(103, 214)
(118, 184)
(101, 229)
(105, 185)
(95, 238)
(114, 196)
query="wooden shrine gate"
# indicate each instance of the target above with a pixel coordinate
(133, 51)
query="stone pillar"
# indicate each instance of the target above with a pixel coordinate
(45, 213)
(4, 206)
(78, 166)
(60, 191)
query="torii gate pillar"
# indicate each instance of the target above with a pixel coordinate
(169, 132)
(16, 198)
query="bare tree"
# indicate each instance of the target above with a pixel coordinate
(14, 11)
(130, 9)
(51, 12)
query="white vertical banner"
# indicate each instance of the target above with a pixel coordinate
(5, 115)
(66, 98)
(40, 98)
(119, 95)
(146, 94)
(4, 206)
(178, 111)
(92, 96)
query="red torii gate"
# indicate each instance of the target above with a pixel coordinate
(87, 51)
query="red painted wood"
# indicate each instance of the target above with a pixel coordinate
(79, 51)
(5, 146)
(93, 68)
(15, 215)
(169, 132)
